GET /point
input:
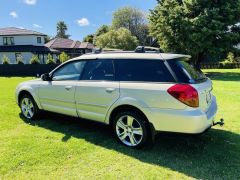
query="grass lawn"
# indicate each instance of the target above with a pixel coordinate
(58, 147)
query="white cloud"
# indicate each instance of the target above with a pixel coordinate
(30, 2)
(13, 14)
(37, 26)
(83, 22)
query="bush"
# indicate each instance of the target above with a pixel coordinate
(5, 60)
(34, 60)
(19, 60)
(64, 57)
(50, 59)
(226, 65)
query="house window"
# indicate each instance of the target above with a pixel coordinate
(39, 40)
(8, 41)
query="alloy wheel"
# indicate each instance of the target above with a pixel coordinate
(27, 107)
(129, 130)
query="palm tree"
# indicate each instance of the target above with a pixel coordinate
(61, 30)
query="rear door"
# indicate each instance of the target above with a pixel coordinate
(97, 90)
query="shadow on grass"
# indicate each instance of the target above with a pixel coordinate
(214, 155)
(224, 76)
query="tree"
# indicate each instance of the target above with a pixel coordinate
(61, 30)
(102, 30)
(63, 57)
(89, 38)
(196, 27)
(47, 39)
(5, 59)
(34, 60)
(134, 20)
(117, 39)
(50, 59)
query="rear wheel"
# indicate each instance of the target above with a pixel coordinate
(130, 129)
(28, 107)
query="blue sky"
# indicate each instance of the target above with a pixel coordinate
(82, 17)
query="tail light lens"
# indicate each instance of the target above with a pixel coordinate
(185, 93)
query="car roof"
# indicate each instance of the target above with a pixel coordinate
(129, 55)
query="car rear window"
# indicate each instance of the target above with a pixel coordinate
(142, 70)
(185, 72)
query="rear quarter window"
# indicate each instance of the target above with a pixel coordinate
(185, 72)
(142, 71)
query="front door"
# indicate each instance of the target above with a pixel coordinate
(58, 95)
(97, 90)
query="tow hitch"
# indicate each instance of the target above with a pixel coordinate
(221, 122)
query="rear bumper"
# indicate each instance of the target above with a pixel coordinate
(191, 120)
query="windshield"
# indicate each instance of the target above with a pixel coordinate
(185, 72)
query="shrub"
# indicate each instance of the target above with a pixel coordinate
(34, 60)
(5, 60)
(226, 65)
(64, 57)
(20, 60)
(229, 62)
(50, 59)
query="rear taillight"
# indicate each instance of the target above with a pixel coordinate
(185, 93)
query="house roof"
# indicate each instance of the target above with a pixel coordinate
(27, 48)
(13, 31)
(62, 43)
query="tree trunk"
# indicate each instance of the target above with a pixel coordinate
(199, 60)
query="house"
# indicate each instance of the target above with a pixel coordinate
(22, 43)
(71, 47)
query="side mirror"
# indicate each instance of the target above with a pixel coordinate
(46, 77)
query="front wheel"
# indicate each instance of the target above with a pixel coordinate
(28, 107)
(130, 129)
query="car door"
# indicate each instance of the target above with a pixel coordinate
(58, 95)
(97, 90)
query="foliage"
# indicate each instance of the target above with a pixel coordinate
(34, 60)
(63, 57)
(5, 59)
(61, 30)
(20, 60)
(132, 19)
(117, 39)
(228, 63)
(50, 59)
(47, 39)
(30, 145)
(196, 27)
(89, 38)
(102, 30)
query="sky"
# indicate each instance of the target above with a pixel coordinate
(81, 17)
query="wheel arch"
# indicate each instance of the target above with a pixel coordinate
(27, 92)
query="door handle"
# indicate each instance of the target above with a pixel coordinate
(110, 90)
(68, 88)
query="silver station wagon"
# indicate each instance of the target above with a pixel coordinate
(137, 94)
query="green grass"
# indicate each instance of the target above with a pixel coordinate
(57, 146)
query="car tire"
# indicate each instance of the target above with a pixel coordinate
(29, 108)
(130, 128)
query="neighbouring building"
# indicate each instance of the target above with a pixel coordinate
(71, 47)
(22, 43)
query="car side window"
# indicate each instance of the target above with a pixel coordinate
(142, 71)
(70, 71)
(99, 70)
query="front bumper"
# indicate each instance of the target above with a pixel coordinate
(191, 120)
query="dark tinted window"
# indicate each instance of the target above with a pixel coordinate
(70, 71)
(142, 70)
(185, 72)
(99, 70)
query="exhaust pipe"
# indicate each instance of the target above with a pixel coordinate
(221, 122)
